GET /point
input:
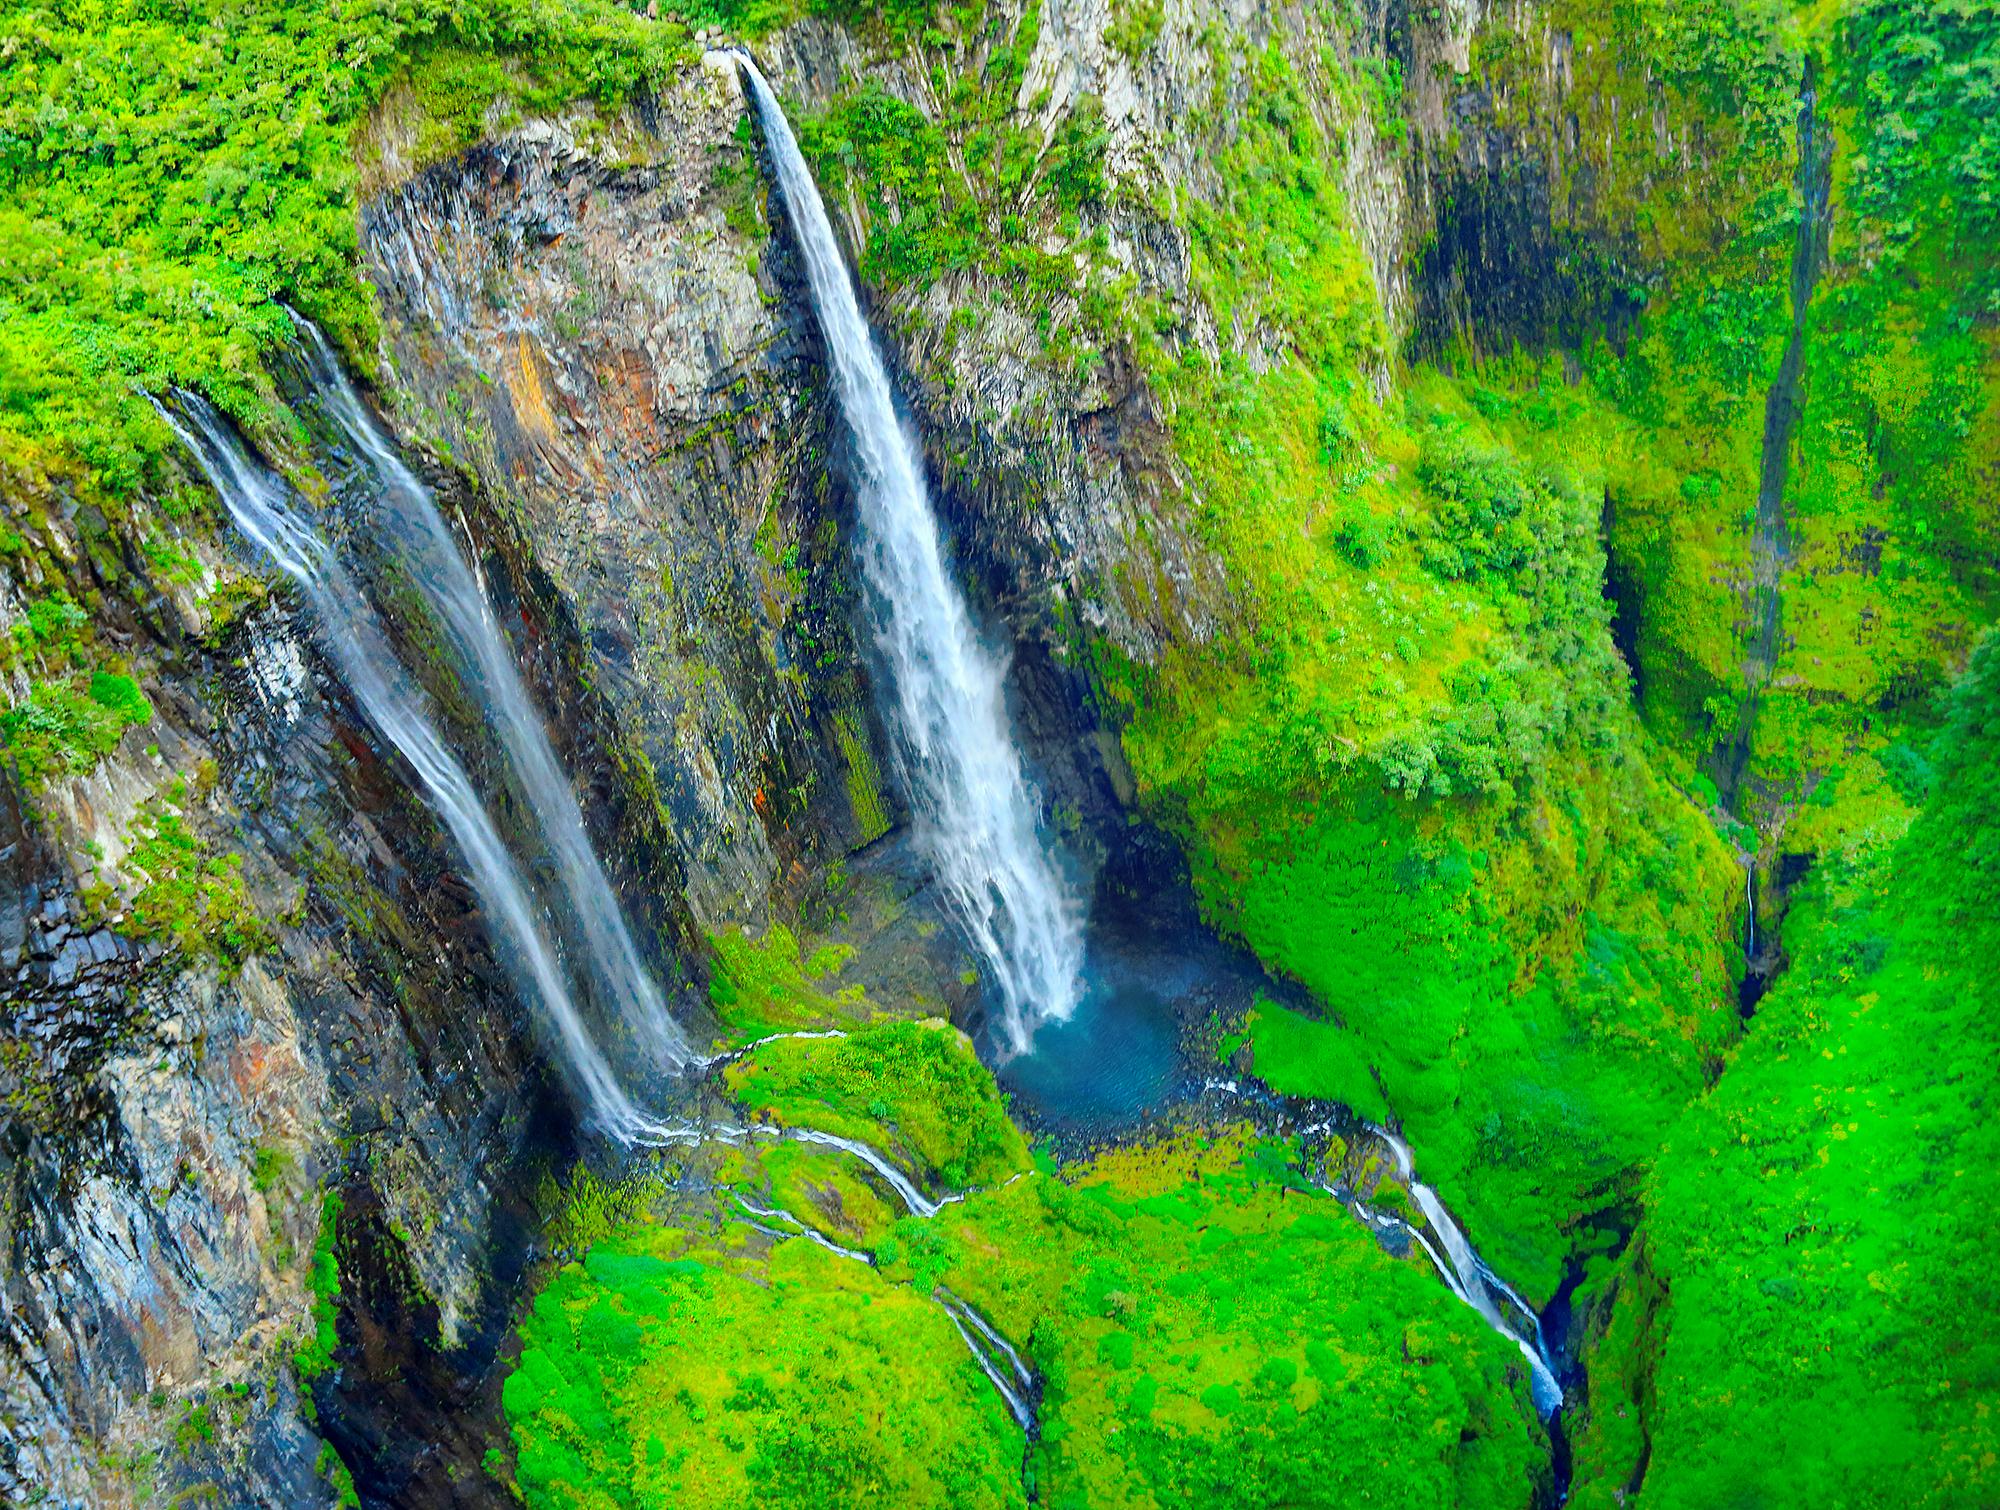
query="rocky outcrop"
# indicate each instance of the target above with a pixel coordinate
(170, 1121)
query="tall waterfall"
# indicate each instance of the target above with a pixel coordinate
(975, 811)
(354, 637)
(432, 556)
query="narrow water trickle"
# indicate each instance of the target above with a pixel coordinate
(260, 503)
(976, 813)
(421, 538)
(1771, 540)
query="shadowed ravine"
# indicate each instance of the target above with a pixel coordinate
(1771, 540)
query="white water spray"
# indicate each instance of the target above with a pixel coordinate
(433, 559)
(975, 811)
(353, 636)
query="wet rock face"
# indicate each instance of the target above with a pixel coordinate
(606, 325)
(166, 1124)
(607, 340)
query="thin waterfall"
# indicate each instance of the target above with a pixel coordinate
(1471, 1280)
(432, 557)
(976, 815)
(257, 500)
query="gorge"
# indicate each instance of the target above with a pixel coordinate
(768, 752)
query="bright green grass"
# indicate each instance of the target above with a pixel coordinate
(768, 984)
(1304, 1056)
(670, 1371)
(1209, 1330)
(1212, 1332)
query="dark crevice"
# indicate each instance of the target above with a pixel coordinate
(1623, 591)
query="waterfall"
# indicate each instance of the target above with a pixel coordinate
(355, 638)
(1771, 540)
(975, 811)
(1471, 1280)
(432, 557)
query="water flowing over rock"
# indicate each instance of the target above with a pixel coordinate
(1471, 1281)
(256, 501)
(963, 772)
(441, 571)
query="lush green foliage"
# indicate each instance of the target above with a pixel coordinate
(1821, 1220)
(970, 190)
(189, 895)
(1210, 1332)
(912, 1088)
(314, 1356)
(667, 1371)
(168, 172)
(1528, 959)
(74, 714)
(894, 22)
(64, 728)
(768, 985)
(1207, 1328)
(1920, 78)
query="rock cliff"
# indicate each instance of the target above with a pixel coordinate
(593, 331)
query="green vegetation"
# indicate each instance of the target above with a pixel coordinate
(912, 1089)
(970, 190)
(1818, 1222)
(1302, 1056)
(1208, 1332)
(767, 985)
(74, 714)
(1415, 775)
(1413, 782)
(190, 896)
(329, 1467)
(864, 779)
(166, 174)
(1205, 1326)
(667, 1370)
(271, 1165)
(65, 728)
(314, 1356)
(1410, 764)
(893, 23)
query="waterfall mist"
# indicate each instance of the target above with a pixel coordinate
(975, 811)
(424, 543)
(258, 501)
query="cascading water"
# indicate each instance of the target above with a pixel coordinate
(1471, 1280)
(1770, 542)
(975, 811)
(354, 637)
(432, 557)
